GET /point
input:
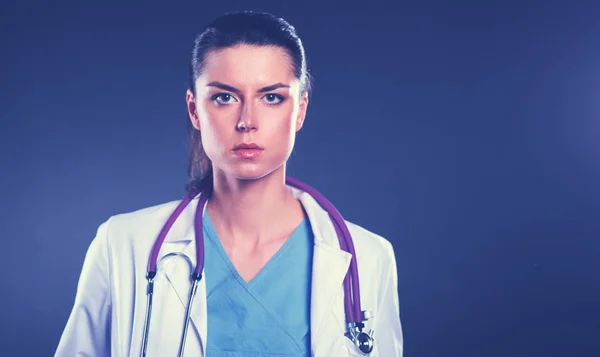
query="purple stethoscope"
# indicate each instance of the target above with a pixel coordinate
(354, 316)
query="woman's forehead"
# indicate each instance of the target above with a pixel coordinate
(245, 64)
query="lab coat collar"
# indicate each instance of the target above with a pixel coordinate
(330, 264)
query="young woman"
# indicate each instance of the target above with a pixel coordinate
(269, 274)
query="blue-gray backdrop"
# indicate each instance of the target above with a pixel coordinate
(466, 132)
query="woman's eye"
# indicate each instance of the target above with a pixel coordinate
(273, 98)
(223, 98)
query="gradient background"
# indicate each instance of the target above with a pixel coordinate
(466, 132)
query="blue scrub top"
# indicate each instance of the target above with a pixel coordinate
(268, 316)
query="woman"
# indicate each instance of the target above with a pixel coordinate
(273, 271)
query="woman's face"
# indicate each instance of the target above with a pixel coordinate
(248, 95)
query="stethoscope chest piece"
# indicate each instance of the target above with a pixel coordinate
(363, 341)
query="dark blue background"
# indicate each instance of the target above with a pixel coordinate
(466, 132)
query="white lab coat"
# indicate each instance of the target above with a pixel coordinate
(110, 304)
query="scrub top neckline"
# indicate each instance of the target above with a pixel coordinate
(212, 235)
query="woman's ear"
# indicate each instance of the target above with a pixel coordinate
(192, 109)
(302, 111)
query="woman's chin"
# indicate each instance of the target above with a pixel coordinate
(250, 171)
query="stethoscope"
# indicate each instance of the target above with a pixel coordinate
(355, 317)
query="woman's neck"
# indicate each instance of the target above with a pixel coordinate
(252, 212)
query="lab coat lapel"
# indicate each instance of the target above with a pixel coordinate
(330, 264)
(178, 272)
(329, 269)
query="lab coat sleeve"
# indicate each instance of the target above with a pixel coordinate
(388, 329)
(87, 331)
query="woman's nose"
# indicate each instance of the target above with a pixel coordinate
(246, 120)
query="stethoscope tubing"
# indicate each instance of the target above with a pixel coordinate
(351, 281)
(354, 317)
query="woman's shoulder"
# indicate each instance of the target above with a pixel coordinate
(374, 252)
(369, 241)
(142, 223)
(147, 213)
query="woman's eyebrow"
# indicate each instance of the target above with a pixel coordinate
(272, 87)
(229, 88)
